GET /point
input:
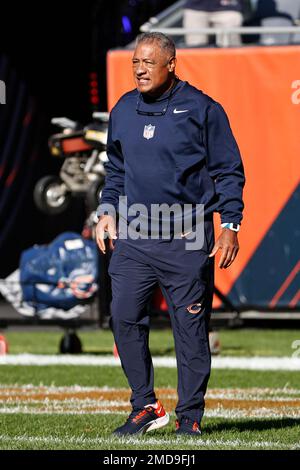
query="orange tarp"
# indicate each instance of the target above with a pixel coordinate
(259, 87)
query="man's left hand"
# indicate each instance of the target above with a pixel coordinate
(229, 246)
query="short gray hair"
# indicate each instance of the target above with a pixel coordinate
(165, 42)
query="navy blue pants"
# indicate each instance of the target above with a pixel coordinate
(186, 280)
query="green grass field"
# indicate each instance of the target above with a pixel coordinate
(40, 407)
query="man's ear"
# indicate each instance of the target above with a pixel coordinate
(172, 64)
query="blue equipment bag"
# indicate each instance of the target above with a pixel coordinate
(62, 274)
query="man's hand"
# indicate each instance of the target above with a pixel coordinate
(106, 224)
(229, 245)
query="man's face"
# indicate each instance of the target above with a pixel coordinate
(152, 68)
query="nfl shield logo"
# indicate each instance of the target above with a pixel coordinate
(149, 131)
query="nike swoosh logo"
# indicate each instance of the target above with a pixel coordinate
(177, 111)
(184, 234)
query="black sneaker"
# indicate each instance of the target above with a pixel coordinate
(187, 426)
(144, 420)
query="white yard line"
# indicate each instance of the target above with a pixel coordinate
(245, 363)
(32, 389)
(52, 411)
(217, 413)
(61, 400)
(28, 393)
(145, 441)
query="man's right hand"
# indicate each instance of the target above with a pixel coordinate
(106, 224)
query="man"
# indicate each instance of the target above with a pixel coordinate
(214, 13)
(167, 143)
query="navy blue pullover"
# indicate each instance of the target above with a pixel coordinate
(190, 155)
